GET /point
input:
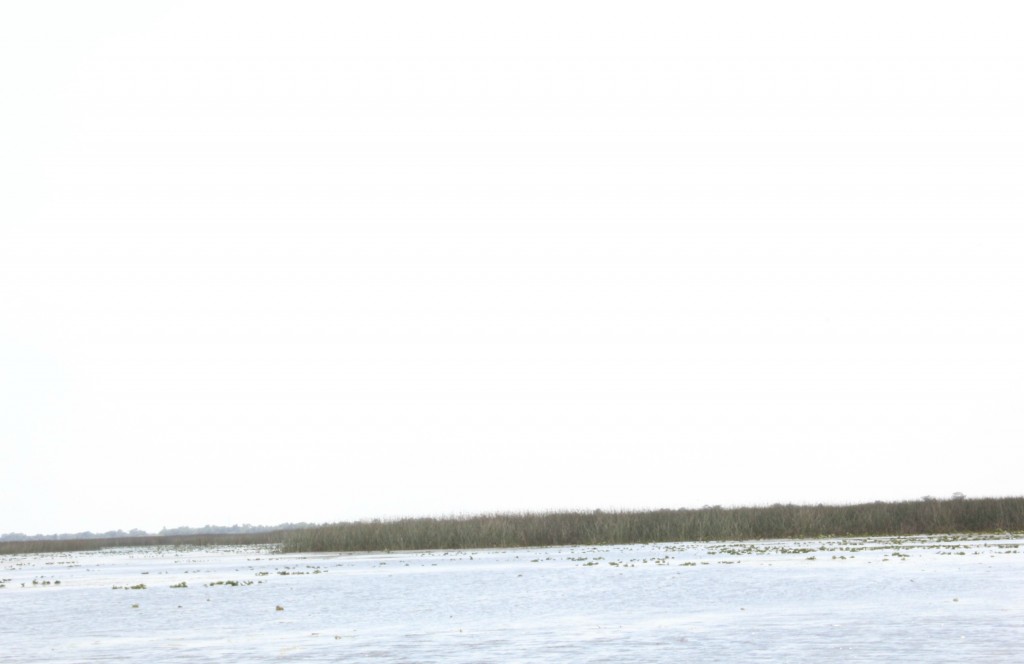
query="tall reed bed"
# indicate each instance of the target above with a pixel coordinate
(623, 527)
(601, 527)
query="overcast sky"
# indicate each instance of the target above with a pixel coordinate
(280, 261)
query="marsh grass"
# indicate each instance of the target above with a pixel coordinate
(922, 517)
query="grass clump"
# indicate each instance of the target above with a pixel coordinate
(924, 517)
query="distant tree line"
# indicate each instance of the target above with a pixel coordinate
(165, 532)
(244, 528)
(22, 537)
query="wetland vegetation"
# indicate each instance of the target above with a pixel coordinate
(928, 516)
(921, 517)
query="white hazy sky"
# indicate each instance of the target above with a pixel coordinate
(314, 261)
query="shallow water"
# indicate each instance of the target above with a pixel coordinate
(925, 599)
